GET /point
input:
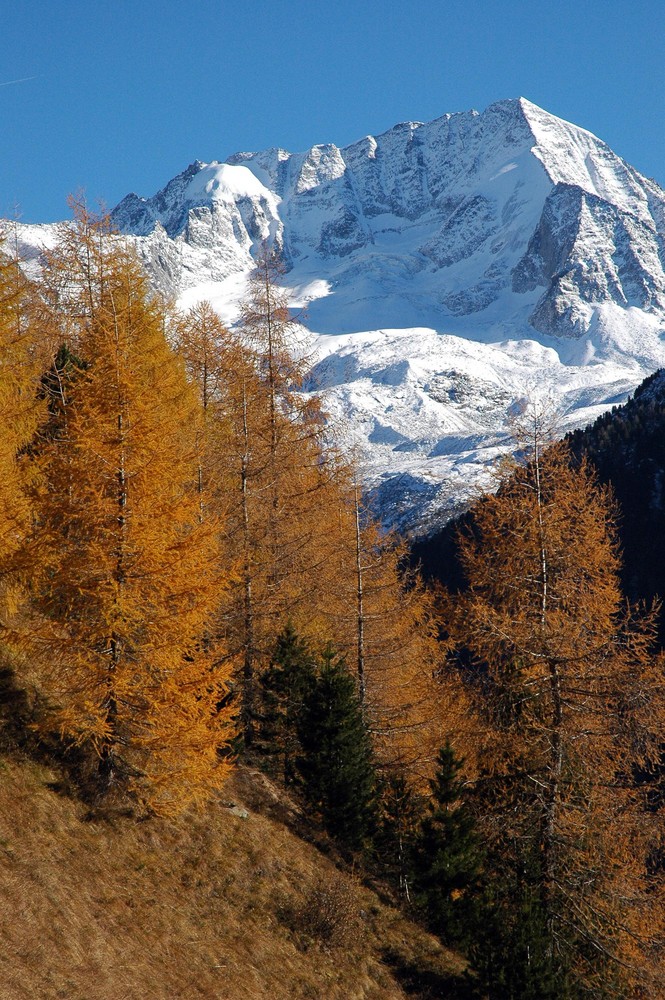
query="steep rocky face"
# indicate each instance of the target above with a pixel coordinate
(605, 255)
(451, 271)
(204, 223)
(512, 206)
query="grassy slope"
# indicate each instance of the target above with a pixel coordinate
(213, 905)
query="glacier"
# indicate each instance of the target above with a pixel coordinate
(447, 273)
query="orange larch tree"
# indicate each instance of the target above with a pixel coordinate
(385, 623)
(269, 471)
(305, 550)
(20, 408)
(570, 699)
(126, 575)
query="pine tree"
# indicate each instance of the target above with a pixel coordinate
(125, 574)
(510, 946)
(447, 856)
(284, 687)
(569, 698)
(400, 812)
(335, 764)
(54, 389)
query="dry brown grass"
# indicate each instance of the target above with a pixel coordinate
(214, 905)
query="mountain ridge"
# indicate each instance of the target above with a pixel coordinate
(451, 178)
(449, 270)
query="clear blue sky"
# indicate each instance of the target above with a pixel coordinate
(126, 93)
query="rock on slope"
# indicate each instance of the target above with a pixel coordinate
(450, 270)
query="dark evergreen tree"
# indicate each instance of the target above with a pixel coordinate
(282, 690)
(55, 388)
(335, 764)
(510, 949)
(400, 814)
(447, 855)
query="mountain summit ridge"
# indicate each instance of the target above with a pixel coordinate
(477, 186)
(450, 270)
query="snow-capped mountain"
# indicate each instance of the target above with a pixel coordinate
(450, 270)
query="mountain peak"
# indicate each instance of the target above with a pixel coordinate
(511, 200)
(223, 182)
(536, 115)
(449, 269)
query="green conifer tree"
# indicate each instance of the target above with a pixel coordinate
(400, 814)
(283, 688)
(335, 764)
(510, 949)
(447, 855)
(55, 387)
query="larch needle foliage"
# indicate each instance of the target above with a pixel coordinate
(125, 566)
(384, 623)
(304, 550)
(330, 568)
(572, 701)
(20, 409)
(289, 475)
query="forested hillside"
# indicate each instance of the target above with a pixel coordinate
(626, 447)
(195, 599)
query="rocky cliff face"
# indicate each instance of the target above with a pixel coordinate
(449, 218)
(451, 270)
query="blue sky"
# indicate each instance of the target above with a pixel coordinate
(120, 96)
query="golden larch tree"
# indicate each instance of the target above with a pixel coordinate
(385, 623)
(269, 471)
(306, 551)
(569, 697)
(126, 574)
(20, 408)
(21, 411)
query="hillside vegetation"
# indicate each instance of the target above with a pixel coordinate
(212, 656)
(228, 902)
